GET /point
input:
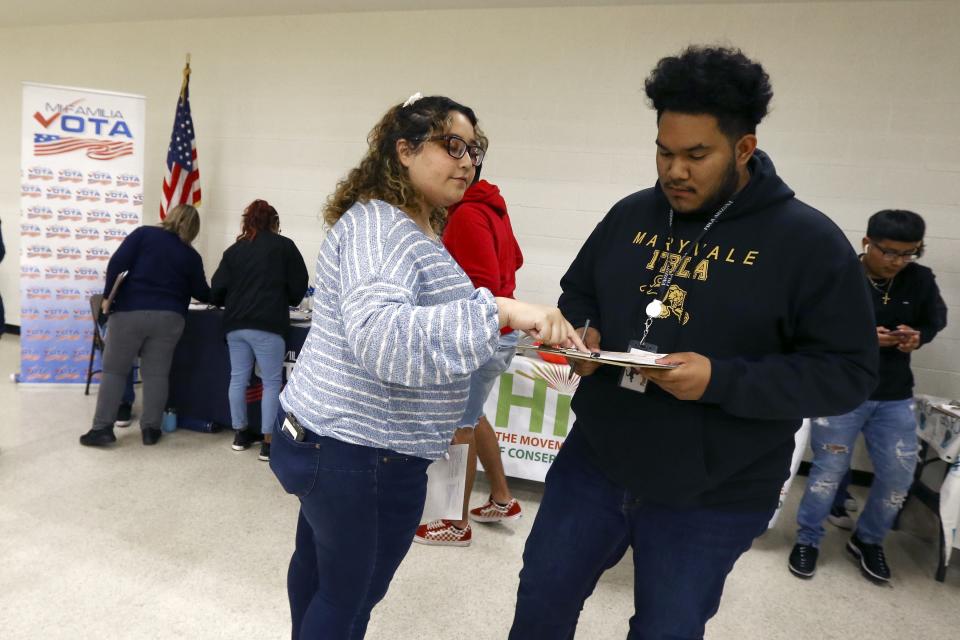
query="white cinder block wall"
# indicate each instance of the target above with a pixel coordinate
(865, 113)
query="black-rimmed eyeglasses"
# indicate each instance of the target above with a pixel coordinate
(889, 255)
(457, 146)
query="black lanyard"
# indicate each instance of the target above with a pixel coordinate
(655, 308)
(669, 273)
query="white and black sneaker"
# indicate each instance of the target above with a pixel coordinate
(840, 518)
(243, 439)
(124, 416)
(803, 560)
(873, 563)
(264, 452)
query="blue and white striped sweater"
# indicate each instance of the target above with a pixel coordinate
(397, 330)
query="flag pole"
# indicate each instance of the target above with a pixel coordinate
(186, 79)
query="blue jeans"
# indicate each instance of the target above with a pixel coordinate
(483, 379)
(584, 526)
(840, 498)
(267, 349)
(359, 509)
(890, 432)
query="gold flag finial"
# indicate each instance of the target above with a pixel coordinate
(186, 79)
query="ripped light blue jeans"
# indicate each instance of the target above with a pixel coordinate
(890, 430)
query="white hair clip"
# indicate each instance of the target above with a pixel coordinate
(412, 99)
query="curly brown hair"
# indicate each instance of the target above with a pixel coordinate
(258, 216)
(380, 175)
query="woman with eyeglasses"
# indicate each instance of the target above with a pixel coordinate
(383, 377)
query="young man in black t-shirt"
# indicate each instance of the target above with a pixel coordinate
(909, 313)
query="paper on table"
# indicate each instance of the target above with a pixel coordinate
(446, 479)
(638, 358)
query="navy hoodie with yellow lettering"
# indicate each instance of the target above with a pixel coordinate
(774, 295)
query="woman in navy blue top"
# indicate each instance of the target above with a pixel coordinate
(147, 317)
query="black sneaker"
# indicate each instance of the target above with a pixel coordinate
(150, 436)
(98, 437)
(124, 415)
(264, 452)
(243, 438)
(840, 518)
(873, 563)
(803, 561)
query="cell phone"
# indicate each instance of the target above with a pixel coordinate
(293, 428)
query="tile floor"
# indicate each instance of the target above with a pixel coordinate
(189, 539)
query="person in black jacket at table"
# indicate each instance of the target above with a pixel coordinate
(759, 301)
(147, 318)
(259, 278)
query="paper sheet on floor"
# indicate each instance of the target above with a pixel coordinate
(446, 480)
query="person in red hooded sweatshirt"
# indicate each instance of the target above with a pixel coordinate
(479, 237)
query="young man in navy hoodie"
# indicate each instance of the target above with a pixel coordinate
(760, 302)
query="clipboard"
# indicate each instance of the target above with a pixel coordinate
(636, 360)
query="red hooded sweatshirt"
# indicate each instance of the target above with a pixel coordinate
(479, 237)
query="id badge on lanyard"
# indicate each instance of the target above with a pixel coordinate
(634, 380)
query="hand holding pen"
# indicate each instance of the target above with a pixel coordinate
(591, 339)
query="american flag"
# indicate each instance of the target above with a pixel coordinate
(181, 185)
(45, 144)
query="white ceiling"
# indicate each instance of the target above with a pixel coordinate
(25, 13)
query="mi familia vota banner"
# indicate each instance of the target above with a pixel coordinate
(81, 193)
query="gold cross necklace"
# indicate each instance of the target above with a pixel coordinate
(885, 292)
(878, 287)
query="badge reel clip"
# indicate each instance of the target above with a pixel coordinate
(631, 379)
